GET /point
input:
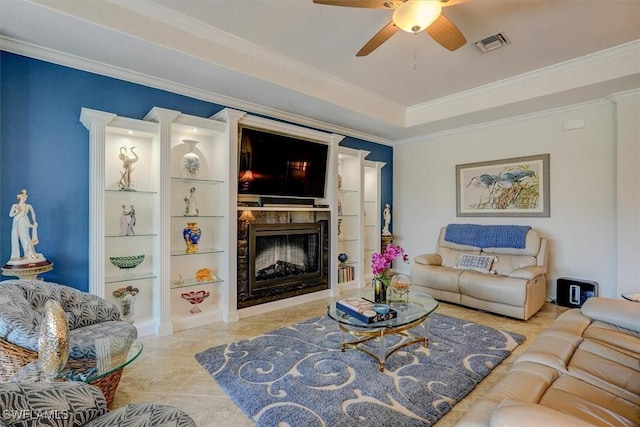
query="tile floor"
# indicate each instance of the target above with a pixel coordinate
(167, 371)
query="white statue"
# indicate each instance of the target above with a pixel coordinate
(386, 213)
(128, 221)
(191, 208)
(132, 221)
(21, 236)
(124, 221)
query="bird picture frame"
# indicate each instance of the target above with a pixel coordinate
(516, 187)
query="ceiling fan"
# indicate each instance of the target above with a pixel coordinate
(412, 16)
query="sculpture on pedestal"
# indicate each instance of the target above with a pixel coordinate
(24, 261)
(386, 214)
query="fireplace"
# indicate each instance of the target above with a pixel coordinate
(282, 260)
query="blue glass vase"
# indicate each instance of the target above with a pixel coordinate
(191, 235)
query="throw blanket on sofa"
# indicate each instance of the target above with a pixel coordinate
(487, 236)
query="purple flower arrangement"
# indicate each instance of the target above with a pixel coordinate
(381, 262)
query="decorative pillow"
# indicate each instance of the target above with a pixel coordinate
(479, 263)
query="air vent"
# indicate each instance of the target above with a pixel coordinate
(492, 42)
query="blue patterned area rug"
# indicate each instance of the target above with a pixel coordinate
(297, 376)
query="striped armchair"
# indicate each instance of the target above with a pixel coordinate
(21, 312)
(71, 404)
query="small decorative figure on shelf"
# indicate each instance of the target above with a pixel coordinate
(20, 234)
(180, 280)
(125, 182)
(124, 221)
(131, 222)
(342, 257)
(205, 275)
(386, 214)
(191, 208)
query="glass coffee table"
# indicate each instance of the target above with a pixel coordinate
(103, 371)
(413, 311)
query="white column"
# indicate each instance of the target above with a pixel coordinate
(96, 122)
(162, 305)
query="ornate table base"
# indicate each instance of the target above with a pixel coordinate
(366, 335)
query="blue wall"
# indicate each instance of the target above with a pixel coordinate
(45, 149)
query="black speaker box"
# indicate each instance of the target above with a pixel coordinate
(574, 292)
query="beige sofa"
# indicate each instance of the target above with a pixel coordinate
(516, 285)
(583, 371)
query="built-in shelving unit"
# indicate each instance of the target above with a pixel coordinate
(124, 207)
(350, 219)
(200, 198)
(371, 213)
(163, 199)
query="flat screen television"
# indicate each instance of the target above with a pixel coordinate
(272, 164)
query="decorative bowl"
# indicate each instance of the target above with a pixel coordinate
(381, 308)
(126, 261)
(195, 298)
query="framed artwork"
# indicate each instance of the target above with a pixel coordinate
(516, 187)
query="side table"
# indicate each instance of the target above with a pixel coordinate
(104, 371)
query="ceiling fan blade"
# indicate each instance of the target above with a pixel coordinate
(369, 4)
(446, 33)
(380, 37)
(447, 3)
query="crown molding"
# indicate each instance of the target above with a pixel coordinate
(510, 120)
(163, 27)
(607, 64)
(72, 61)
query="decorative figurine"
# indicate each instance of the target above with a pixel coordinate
(125, 182)
(387, 219)
(191, 208)
(128, 220)
(20, 235)
(124, 221)
(180, 280)
(24, 261)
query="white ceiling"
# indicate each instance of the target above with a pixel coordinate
(296, 60)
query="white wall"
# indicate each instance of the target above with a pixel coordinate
(582, 226)
(628, 191)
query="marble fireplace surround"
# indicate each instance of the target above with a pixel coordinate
(249, 297)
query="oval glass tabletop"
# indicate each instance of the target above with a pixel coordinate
(411, 308)
(111, 355)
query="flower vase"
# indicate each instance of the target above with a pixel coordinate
(379, 291)
(190, 163)
(191, 235)
(126, 304)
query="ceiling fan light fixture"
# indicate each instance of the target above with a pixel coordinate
(416, 15)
